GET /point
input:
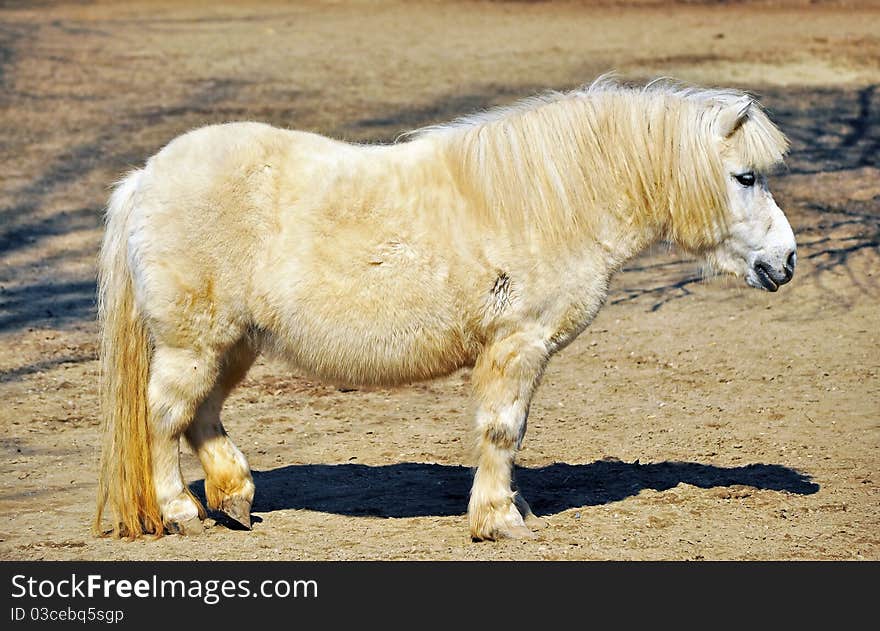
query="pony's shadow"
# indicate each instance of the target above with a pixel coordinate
(417, 490)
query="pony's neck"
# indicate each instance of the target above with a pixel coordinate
(558, 169)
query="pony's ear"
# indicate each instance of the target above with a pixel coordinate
(733, 115)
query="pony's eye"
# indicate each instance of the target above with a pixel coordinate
(746, 179)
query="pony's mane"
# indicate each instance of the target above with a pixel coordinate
(647, 155)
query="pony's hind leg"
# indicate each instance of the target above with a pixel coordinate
(504, 379)
(180, 380)
(229, 486)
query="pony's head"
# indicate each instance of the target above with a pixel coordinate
(756, 241)
(667, 161)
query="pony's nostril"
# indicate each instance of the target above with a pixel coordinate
(788, 268)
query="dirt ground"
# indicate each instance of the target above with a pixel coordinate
(695, 419)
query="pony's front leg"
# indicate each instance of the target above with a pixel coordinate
(504, 378)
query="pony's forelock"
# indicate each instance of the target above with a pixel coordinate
(758, 143)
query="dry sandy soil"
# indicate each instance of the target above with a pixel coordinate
(696, 419)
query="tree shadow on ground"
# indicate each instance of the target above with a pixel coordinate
(419, 490)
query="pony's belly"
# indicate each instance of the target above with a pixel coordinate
(362, 351)
(357, 303)
(374, 325)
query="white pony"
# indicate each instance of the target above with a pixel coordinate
(488, 242)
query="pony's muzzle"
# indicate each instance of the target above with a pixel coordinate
(771, 278)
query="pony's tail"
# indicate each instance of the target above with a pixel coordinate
(125, 482)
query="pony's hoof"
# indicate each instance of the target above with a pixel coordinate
(529, 518)
(515, 532)
(192, 526)
(494, 524)
(505, 532)
(535, 523)
(238, 509)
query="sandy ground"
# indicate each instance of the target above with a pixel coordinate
(694, 420)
